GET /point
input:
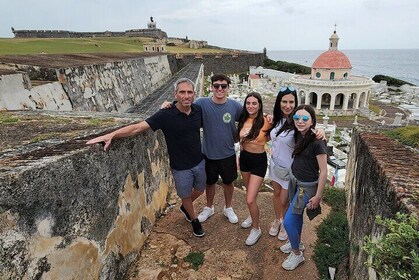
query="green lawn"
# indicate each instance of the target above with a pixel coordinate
(22, 46)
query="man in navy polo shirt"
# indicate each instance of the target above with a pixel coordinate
(180, 125)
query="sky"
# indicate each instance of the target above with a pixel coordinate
(238, 24)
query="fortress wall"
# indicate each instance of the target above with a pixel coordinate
(110, 87)
(75, 212)
(152, 33)
(114, 86)
(382, 179)
(17, 93)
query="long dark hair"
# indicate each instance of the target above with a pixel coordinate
(278, 115)
(258, 122)
(310, 136)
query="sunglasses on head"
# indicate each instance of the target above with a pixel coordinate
(304, 118)
(284, 89)
(223, 86)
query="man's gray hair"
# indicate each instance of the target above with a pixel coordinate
(184, 80)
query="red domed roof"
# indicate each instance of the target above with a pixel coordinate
(332, 59)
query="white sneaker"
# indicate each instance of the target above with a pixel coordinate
(273, 231)
(205, 214)
(282, 235)
(229, 213)
(292, 261)
(286, 248)
(247, 223)
(253, 236)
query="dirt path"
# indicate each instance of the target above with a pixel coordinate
(226, 255)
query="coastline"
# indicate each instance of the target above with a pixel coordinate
(401, 64)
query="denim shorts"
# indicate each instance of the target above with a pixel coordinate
(188, 179)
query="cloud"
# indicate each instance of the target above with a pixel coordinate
(240, 24)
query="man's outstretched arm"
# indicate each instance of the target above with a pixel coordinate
(127, 131)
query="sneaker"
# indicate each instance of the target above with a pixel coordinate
(185, 213)
(206, 213)
(286, 248)
(273, 231)
(197, 228)
(247, 223)
(292, 261)
(282, 235)
(253, 236)
(229, 213)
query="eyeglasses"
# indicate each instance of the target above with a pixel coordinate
(301, 117)
(284, 89)
(223, 86)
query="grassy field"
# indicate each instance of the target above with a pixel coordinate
(84, 45)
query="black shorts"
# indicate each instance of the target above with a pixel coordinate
(225, 168)
(254, 163)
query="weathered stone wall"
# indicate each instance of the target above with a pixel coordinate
(105, 87)
(17, 93)
(115, 86)
(75, 212)
(382, 179)
(151, 33)
(111, 87)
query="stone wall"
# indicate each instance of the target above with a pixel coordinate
(115, 86)
(108, 87)
(382, 179)
(105, 87)
(74, 212)
(17, 93)
(151, 33)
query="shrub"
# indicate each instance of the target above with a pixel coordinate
(286, 66)
(390, 80)
(332, 246)
(195, 258)
(395, 255)
(335, 198)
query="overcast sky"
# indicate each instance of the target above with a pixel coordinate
(239, 24)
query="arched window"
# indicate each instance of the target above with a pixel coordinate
(332, 75)
(345, 75)
(318, 75)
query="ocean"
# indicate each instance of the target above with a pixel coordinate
(402, 64)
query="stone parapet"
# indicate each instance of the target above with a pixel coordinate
(382, 179)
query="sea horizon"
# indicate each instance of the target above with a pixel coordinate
(401, 64)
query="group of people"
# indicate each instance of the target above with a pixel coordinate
(297, 162)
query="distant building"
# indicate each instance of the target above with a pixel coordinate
(154, 47)
(331, 87)
(151, 31)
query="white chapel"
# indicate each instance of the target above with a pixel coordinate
(331, 88)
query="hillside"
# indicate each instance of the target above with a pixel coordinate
(26, 46)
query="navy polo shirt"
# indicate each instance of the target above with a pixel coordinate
(182, 135)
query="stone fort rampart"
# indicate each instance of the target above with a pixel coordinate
(151, 33)
(112, 86)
